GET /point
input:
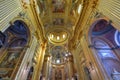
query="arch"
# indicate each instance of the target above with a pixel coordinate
(28, 26)
(91, 27)
(103, 47)
(18, 37)
(14, 32)
(19, 27)
(18, 32)
(100, 27)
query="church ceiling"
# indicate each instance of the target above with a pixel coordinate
(59, 18)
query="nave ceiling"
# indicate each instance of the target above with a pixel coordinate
(59, 19)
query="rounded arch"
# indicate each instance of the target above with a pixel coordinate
(27, 25)
(17, 45)
(100, 27)
(90, 35)
(102, 46)
(19, 27)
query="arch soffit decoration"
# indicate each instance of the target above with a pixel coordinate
(27, 25)
(89, 34)
(94, 22)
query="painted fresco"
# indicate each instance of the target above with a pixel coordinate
(58, 21)
(5, 74)
(42, 7)
(58, 6)
(10, 60)
(58, 75)
(8, 64)
(73, 7)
